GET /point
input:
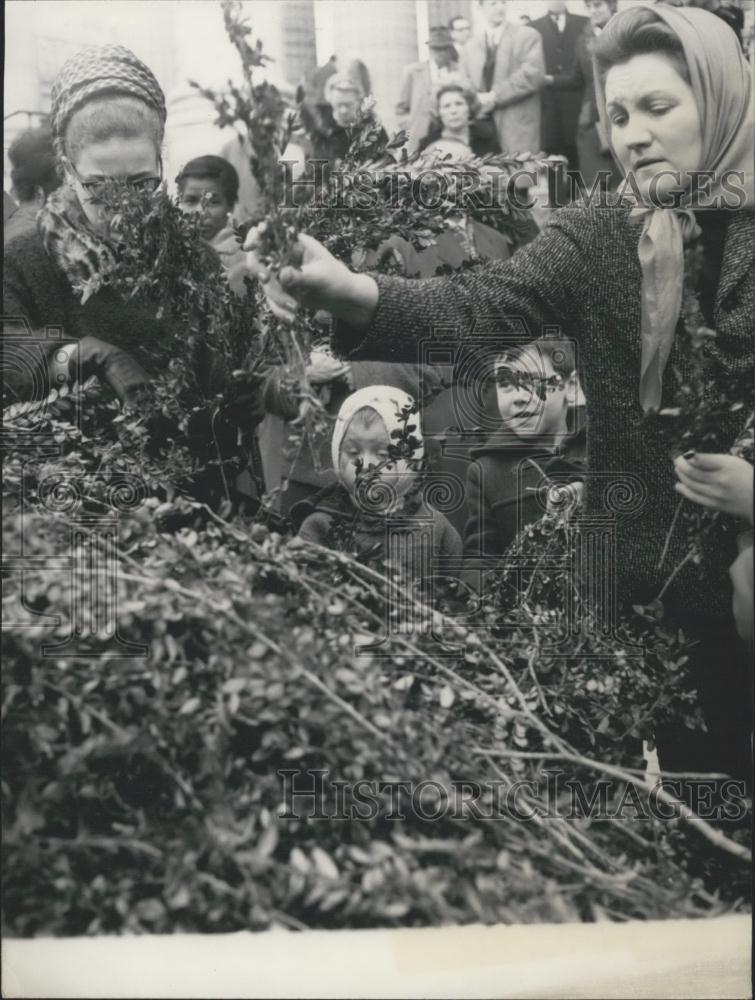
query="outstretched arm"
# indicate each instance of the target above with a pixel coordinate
(540, 285)
(385, 319)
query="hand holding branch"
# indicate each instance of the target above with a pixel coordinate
(719, 482)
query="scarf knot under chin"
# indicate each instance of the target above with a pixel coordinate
(83, 256)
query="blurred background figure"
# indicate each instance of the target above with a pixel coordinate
(420, 83)
(34, 175)
(505, 65)
(461, 31)
(331, 135)
(562, 94)
(315, 85)
(454, 129)
(526, 20)
(593, 151)
(210, 185)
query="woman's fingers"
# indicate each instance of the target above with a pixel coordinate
(697, 473)
(708, 462)
(297, 254)
(254, 236)
(290, 278)
(256, 268)
(707, 488)
(695, 496)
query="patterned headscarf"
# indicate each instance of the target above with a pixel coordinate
(99, 70)
(79, 252)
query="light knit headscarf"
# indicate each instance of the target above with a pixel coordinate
(388, 402)
(99, 70)
(721, 81)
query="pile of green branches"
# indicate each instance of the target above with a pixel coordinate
(145, 793)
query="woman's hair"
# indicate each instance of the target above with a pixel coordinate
(637, 32)
(213, 168)
(33, 163)
(456, 88)
(101, 119)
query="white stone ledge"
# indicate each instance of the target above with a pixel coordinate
(659, 959)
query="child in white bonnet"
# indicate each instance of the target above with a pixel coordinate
(378, 453)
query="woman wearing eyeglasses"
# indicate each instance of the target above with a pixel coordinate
(108, 121)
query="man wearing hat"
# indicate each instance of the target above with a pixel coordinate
(416, 103)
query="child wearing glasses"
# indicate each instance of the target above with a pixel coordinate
(377, 510)
(541, 434)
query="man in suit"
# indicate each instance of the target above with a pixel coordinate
(562, 95)
(416, 103)
(505, 64)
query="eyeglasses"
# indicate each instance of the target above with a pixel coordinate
(510, 378)
(97, 188)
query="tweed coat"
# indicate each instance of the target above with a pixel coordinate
(518, 79)
(582, 275)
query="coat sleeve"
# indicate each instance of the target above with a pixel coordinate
(277, 399)
(316, 528)
(541, 284)
(528, 77)
(91, 355)
(30, 378)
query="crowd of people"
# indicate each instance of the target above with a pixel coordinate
(614, 94)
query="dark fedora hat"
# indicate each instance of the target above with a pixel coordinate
(440, 38)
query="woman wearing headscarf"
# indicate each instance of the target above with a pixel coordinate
(675, 93)
(108, 121)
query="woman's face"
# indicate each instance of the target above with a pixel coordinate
(116, 158)
(599, 12)
(655, 124)
(453, 110)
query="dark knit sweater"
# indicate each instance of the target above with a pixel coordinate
(582, 274)
(36, 290)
